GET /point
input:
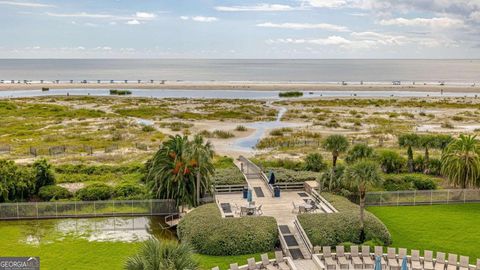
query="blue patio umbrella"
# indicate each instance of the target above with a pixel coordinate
(271, 180)
(249, 196)
(404, 263)
(378, 263)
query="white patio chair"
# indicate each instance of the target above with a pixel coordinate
(266, 263)
(464, 263)
(327, 257)
(416, 263)
(452, 262)
(428, 260)
(234, 266)
(367, 257)
(341, 259)
(252, 265)
(280, 261)
(355, 257)
(440, 261)
(392, 258)
(379, 252)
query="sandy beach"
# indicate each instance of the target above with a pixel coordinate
(258, 86)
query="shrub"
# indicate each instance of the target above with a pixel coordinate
(228, 176)
(290, 94)
(43, 174)
(409, 182)
(95, 192)
(391, 161)
(146, 128)
(129, 191)
(434, 166)
(314, 162)
(208, 233)
(287, 176)
(240, 128)
(281, 163)
(52, 192)
(221, 134)
(344, 226)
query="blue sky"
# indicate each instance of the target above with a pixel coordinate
(240, 29)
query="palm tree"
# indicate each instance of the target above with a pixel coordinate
(165, 255)
(314, 162)
(336, 144)
(359, 176)
(461, 161)
(359, 151)
(201, 155)
(409, 141)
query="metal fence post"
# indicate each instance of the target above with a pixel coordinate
(56, 209)
(448, 195)
(18, 212)
(113, 211)
(94, 209)
(151, 207)
(415, 197)
(75, 207)
(464, 195)
(398, 197)
(132, 206)
(36, 206)
(431, 197)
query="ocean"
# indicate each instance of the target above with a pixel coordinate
(328, 71)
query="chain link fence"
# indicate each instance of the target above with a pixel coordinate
(72, 209)
(423, 197)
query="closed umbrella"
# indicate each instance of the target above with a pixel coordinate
(378, 263)
(404, 263)
(271, 180)
(249, 196)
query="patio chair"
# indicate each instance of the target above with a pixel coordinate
(341, 259)
(402, 252)
(478, 264)
(327, 257)
(355, 257)
(452, 261)
(280, 261)
(302, 209)
(367, 259)
(392, 258)
(428, 260)
(234, 266)
(259, 210)
(440, 261)
(464, 263)
(266, 263)
(252, 203)
(295, 208)
(216, 268)
(252, 265)
(416, 263)
(237, 209)
(379, 252)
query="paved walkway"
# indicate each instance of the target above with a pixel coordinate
(281, 208)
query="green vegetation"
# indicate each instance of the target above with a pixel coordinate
(240, 128)
(95, 192)
(283, 175)
(181, 170)
(50, 193)
(221, 134)
(336, 144)
(394, 182)
(290, 94)
(210, 234)
(345, 226)
(156, 255)
(445, 228)
(461, 162)
(120, 92)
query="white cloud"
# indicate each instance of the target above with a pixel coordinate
(204, 19)
(438, 22)
(475, 16)
(25, 4)
(258, 7)
(327, 3)
(301, 26)
(199, 18)
(135, 19)
(133, 22)
(331, 40)
(145, 15)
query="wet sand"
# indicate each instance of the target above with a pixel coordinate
(258, 86)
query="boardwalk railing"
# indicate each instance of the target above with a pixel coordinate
(229, 188)
(423, 197)
(251, 169)
(84, 209)
(290, 186)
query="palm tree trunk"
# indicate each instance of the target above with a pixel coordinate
(334, 160)
(362, 209)
(198, 187)
(410, 159)
(426, 162)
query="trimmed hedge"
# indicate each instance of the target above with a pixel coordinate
(344, 226)
(95, 192)
(52, 192)
(210, 234)
(288, 176)
(229, 176)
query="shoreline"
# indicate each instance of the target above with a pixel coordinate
(254, 86)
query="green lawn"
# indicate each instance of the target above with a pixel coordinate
(446, 228)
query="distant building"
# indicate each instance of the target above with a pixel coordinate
(396, 83)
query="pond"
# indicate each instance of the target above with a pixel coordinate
(226, 94)
(114, 229)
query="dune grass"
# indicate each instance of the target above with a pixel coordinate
(445, 228)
